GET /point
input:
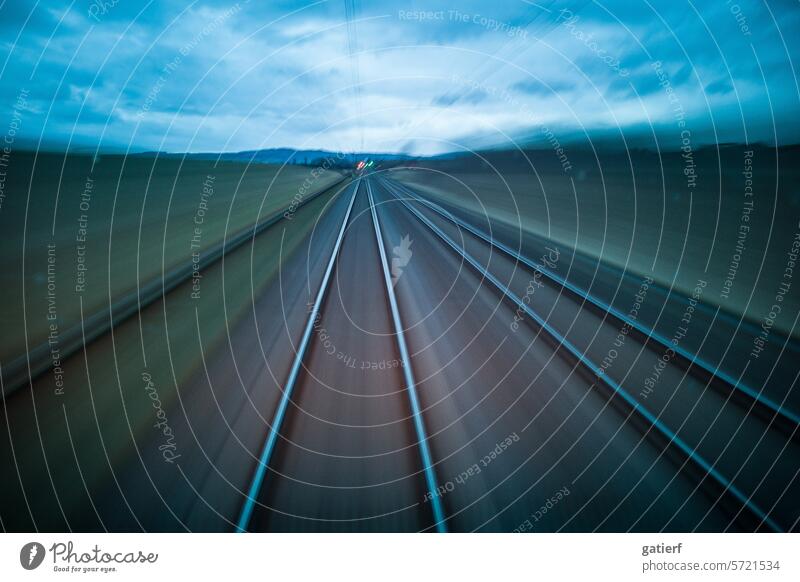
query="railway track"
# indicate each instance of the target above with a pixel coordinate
(342, 442)
(165, 342)
(743, 449)
(322, 466)
(719, 378)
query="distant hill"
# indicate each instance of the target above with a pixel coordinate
(283, 156)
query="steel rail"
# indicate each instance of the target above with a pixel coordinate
(688, 358)
(672, 438)
(256, 486)
(411, 385)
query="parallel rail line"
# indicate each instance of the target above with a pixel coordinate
(268, 449)
(411, 385)
(257, 485)
(688, 359)
(672, 438)
(712, 310)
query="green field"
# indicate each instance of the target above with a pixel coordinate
(172, 342)
(78, 236)
(640, 213)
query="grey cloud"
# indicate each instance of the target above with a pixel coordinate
(406, 68)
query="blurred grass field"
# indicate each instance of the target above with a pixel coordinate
(634, 210)
(79, 233)
(175, 341)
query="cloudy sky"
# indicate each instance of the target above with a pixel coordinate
(418, 77)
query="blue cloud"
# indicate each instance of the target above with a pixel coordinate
(242, 75)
